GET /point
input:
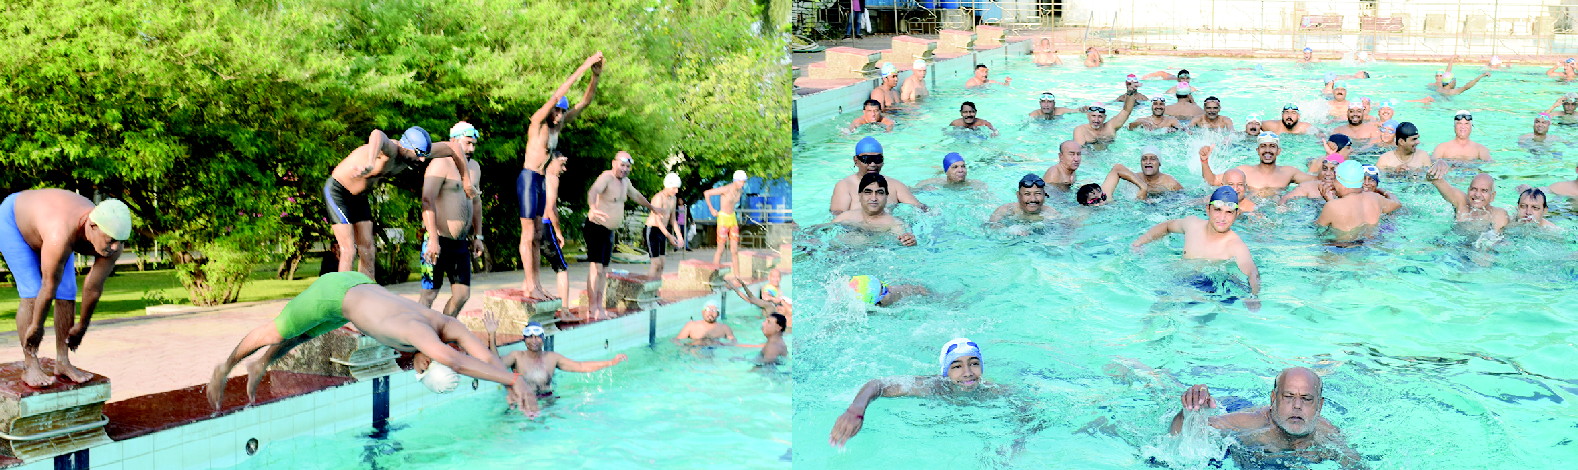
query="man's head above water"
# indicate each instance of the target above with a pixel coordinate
(1296, 401)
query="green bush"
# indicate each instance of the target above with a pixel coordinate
(215, 274)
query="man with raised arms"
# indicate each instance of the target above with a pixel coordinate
(960, 375)
(1213, 118)
(1290, 122)
(1045, 54)
(542, 140)
(868, 160)
(1093, 194)
(1061, 175)
(871, 113)
(1265, 179)
(1158, 118)
(955, 176)
(872, 216)
(1471, 210)
(1461, 147)
(453, 223)
(1354, 214)
(1406, 157)
(770, 304)
(1211, 239)
(1569, 105)
(41, 231)
(1048, 108)
(1131, 86)
(347, 188)
(536, 366)
(1099, 131)
(607, 198)
(1291, 423)
(1029, 204)
(915, 86)
(981, 79)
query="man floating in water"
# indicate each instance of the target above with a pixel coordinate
(960, 374)
(41, 231)
(770, 304)
(1099, 131)
(1213, 239)
(536, 367)
(887, 93)
(870, 290)
(1290, 123)
(1061, 175)
(1290, 427)
(1048, 107)
(397, 322)
(1213, 118)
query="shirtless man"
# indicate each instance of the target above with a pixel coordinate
(1566, 188)
(542, 140)
(769, 303)
(607, 198)
(887, 92)
(1185, 109)
(1213, 118)
(1093, 194)
(1532, 208)
(1253, 127)
(773, 326)
(1092, 57)
(1045, 54)
(41, 231)
(1569, 70)
(658, 236)
(1290, 122)
(1472, 208)
(1156, 182)
(1339, 104)
(871, 113)
(967, 119)
(1355, 128)
(1131, 85)
(394, 321)
(1406, 157)
(347, 188)
(1569, 105)
(1450, 88)
(1099, 131)
(1337, 144)
(1030, 203)
(960, 376)
(1061, 175)
(1048, 108)
(1265, 179)
(550, 235)
(535, 366)
(1542, 126)
(1496, 63)
(728, 223)
(1460, 147)
(915, 86)
(1158, 118)
(1354, 214)
(873, 215)
(1385, 135)
(868, 159)
(1292, 423)
(955, 176)
(1182, 79)
(980, 78)
(1309, 56)
(706, 331)
(1324, 185)
(453, 223)
(1212, 239)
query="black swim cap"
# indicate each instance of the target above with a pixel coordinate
(872, 178)
(1406, 130)
(1342, 141)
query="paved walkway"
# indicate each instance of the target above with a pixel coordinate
(159, 353)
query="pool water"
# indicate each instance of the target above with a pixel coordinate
(1434, 354)
(662, 408)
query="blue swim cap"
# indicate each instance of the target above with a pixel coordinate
(1307, 49)
(868, 145)
(1225, 193)
(1351, 174)
(416, 138)
(564, 103)
(947, 160)
(1390, 124)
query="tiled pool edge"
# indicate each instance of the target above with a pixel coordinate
(827, 104)
(221, 441)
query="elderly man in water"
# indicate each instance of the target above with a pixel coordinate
(960, 376)
(1471, 209)
(1265, 179)
(1100, 131)
(1541, 131)
(955, 175)
(1461, 147)
(915, 87)
(982, 78)
(1048, 108)
(1290, 424)
(1211, 239)
(1029, 204)
(1355, 213)
(706, 331)
(1159, 120)
(1061, 175)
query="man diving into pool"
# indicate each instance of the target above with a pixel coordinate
(1355, 213)
(1213, 239)
(1158, 118)
(41, 231)
(868, 160)
(536, 367)
(1290, 122)
(1291, 426)
(1472, 210)
(542, 140)
(873, 215)
(1099, 131)
(960, 375)
(1265, 179)
(394, 321)
(955, 176)
(1030, 203)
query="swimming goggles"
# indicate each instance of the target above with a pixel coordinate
(1545, 116)
(1183, 76)
(1032, 180)
(1096, 109)
(870, 158)
(467, 132)
(1048, 97)
(627, 159)
(1371, 170)
(1463, 116)
(1131, 79)
(1224, 205)
(1290, 106)
(533, 330)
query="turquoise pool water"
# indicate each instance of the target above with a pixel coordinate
(1434, 354)
(662, 408)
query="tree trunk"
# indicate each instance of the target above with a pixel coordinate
(287, 268)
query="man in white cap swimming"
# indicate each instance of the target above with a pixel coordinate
(1185, 108)
(1048, 107)
(706, 331)
(887, 91)
(657, 236)
(1356, 129)
(453, 223)
(542, 142)
(960, 373)
(981, 78)
(1156, 182)
(41, 231)
(1541, 133)
(1264, 179)
(1461, 147)
(728, 223)
(1355, 213)
(1158, 120)
(1447, 85)
(1045, 54)
(1496, 63)
(915, 86)
(535, 366)
(1252, 127)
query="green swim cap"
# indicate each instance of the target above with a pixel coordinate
(113, 217)
(1351, 174)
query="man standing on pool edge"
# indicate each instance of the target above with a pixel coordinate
(607, 200)
(63, 223)
(1213, 239)
(542, 140)
(346, 190)
(728, 221)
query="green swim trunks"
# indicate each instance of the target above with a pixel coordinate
(317, 310)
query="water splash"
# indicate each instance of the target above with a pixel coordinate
(1196, 445)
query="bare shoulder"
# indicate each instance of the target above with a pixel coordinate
(1241, 421)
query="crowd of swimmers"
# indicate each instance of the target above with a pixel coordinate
(1364, 142)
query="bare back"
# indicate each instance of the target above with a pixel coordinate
(387, 162)
(394, 321)
(51, 221)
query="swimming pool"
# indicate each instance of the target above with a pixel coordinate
(1435, 355)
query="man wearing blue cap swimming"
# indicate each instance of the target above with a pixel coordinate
(1265, 179)
(542, 141)
(1461, 147)
(1029, 205)
(346, 190)
(41, 231)
(1385, 134)
(868, 160)
(534, 366)
(1406, 157)
(872, 216)
(886, 91)
(871, 113)
(1290, 424)
(1211, 239)
(1564, 70)
(960, 374)
(1309, 56)
(453, 223)
(1355, 213)
(955, 176)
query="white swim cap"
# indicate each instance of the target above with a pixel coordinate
(671, 181)
(887, 69)
(1268, 138)
(739, 175)
(711, 305)
(1150, 150)
(920, 64)
(113, 217)
(1495, 60)
(439, 378)
(1355, 104)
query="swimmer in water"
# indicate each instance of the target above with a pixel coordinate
(1045, 54)
(1339, 106)
(1473, 206)
(1309, 57)
(1265, 179)
(872, 291)
(706, 331)
(1568, 70)
(981, 78)
(1354, 213)
(1337, 144)
(967, 119)
(1372, 183)
(1496, 63)
(1098, 194)
(1461, 147)
(1158, 118)
(1290, 122)
(1385, 135)
(1321, 187)
(1184, 109)
(1569, 105)
(915, 86)
(1030, 203)
(868, 160)
(1448, 86)
(773, 329)
(1099, 131)
(871, 113)
(1356, 129)
(1292, 423)
(1213, 239)
(1182, 79)
(1542, 127)
(1213, 118)
(1061, 175)
(535, 366)
(887, 92)
(1252, 127)
(1565, 188)
(955, 176)
(1406, 157)
(1151, 172)
(1131, 85)
(873, 215)
(960, 375)
(1092, 57)
(1531, 209)
(776, 305)
(1048, 108)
